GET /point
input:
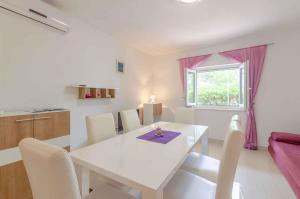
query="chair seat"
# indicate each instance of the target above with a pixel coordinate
(185, 185)
(108, 192)
(202, 165)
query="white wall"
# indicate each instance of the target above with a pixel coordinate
(278, 98)
(37, 63)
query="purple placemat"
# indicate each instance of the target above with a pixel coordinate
(168, 136)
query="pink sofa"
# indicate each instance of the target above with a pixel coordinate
(285, 150)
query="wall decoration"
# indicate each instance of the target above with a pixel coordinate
(120, 66)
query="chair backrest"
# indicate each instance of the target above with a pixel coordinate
(100, 127)
(185, 115)
(50, 170)
(229, 160)
(130, 120)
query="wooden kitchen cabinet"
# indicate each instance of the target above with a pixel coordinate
(14, 183)
(61, 123)
(13, 129)
(43, 126)
(51, 125)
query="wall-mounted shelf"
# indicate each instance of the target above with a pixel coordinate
(92, 92)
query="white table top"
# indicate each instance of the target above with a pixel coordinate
(138, 163)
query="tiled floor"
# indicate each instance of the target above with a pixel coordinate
(258, 174)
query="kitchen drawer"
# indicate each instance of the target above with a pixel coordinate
(51, 125)
(13, 129)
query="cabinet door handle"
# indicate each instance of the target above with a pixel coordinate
(42, 118)
(24, 120)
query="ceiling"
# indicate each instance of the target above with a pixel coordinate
(163, 26)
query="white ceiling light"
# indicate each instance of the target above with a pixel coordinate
(188, 1)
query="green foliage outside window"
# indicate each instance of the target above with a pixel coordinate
(219, 87)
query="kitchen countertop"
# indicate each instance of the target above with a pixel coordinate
(19, 113)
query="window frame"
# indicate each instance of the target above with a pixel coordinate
(188, 103)
(221, 67)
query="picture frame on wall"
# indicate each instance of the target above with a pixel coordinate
(120, 67)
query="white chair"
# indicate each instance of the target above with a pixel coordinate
(130, 120)
(100, 127)
(52, 175)
(185, 115)
(186, 185)
(205, 166)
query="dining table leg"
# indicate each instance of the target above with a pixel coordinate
(84, 181)
(149, 194)
(204, 144)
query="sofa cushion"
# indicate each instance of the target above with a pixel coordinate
(287, 157)
(286, 137)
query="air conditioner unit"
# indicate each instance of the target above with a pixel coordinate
(38, 11)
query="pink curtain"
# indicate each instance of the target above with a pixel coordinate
(190, 63)
(255, 57)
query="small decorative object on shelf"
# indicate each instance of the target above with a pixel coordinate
(98, 93)
(88, 95)
(159, 132)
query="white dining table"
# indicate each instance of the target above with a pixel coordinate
(143, 165)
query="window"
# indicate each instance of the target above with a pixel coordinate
(216, 87)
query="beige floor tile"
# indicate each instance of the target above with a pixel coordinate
(257, 173)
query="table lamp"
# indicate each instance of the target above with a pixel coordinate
(152, 99)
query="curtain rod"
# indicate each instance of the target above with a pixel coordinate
(268, 44)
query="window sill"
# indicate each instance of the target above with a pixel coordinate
(215, 108)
